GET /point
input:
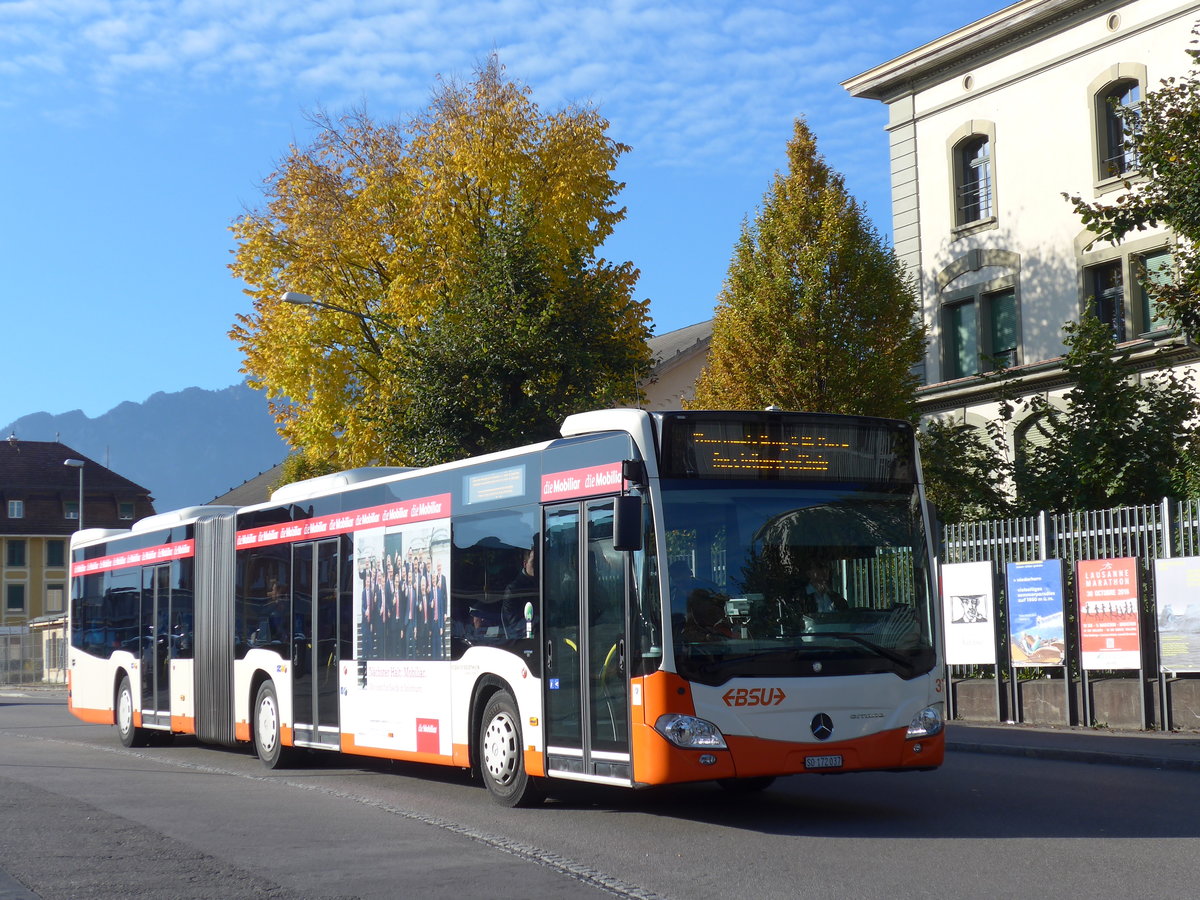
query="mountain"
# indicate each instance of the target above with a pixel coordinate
(187, 447)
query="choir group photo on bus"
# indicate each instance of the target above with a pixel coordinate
(652, 598)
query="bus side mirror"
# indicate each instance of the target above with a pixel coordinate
(627, 523)
(634, 472)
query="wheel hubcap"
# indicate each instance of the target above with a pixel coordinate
(266, 725)
(500, 753)
(125, 711)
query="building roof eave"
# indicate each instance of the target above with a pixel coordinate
(1139, 356)
(965, 46)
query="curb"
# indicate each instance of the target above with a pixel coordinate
(1092, 757)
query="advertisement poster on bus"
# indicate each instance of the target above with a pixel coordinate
(1177, 593)
(401, 594)
(968, 598)
(1109, 636)
(1035, 613)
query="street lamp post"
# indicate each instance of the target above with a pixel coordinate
(78, 464)
(297, 299)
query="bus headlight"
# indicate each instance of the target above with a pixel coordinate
(926, 723)
(688, 731)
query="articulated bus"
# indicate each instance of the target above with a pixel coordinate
(653, 598)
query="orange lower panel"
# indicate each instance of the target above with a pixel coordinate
(889, 750)
(535, 762)
(94, 716)
(287, 737)
(462, 756)
(241, 731)
(183, 724)
(657, 761)
(349, 745)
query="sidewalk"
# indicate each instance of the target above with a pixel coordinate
(1179, 751)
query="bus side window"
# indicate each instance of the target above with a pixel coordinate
(495, 576)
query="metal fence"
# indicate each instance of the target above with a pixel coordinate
(30, 656)
(1145, 533)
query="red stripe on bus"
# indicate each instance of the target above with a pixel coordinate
(147, 555)
(420, 510)
(587, 482)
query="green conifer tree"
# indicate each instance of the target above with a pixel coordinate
(816, 312)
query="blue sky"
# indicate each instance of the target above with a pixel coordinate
(132, 132)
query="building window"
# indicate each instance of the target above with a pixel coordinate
(1152, 268)
(1106, 288)
(14, 598)
(962, 340)
(71, 509)
(980, 333)
(972, 180)
(125, 510)
(1001, 348)
(16, 509)
(15, 555)
(54, 598)
(55, 553)
(1116, 115)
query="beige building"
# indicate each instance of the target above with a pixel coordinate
(989, 126)
(41, 483)
(678, 358)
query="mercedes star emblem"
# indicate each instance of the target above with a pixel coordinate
(822, 727)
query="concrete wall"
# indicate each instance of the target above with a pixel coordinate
(1114, 701)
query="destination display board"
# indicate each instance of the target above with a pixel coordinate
(787, 446)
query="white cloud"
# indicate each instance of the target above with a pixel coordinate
(692, 84)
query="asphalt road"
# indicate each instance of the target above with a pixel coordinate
(81, 818)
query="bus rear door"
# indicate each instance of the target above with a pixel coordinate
(315, 643)
(154, 643)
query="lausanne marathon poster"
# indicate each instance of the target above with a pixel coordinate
(1109, 637)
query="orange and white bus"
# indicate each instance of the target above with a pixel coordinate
(653, 598)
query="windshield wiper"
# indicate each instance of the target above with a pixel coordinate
(870, 645)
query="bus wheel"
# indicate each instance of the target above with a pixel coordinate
(130, 736)
(267, 732)
(747, 785)
(501, 755)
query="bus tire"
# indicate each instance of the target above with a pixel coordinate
(752, 785)
(268, 730)
(502, 757)
(130, 735)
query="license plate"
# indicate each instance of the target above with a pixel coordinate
(822, 762)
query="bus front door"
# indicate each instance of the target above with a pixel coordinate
(584, 616)
(315, 648)
(154, 643)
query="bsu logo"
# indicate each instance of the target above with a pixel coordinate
(754, 696)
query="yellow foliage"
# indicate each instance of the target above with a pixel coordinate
(382, 222)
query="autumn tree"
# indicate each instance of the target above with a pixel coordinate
(463, 304)
(1161, 136)
(967, 470)
(816, 312)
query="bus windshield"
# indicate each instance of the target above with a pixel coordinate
(778, 579)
